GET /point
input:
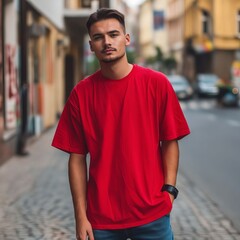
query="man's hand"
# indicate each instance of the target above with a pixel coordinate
(84, 230)
(171, 197)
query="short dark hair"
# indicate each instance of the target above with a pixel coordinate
(103, 14)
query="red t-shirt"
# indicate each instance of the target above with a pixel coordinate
(121, 123)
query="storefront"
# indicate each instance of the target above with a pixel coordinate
(9, 79)
(1, 69)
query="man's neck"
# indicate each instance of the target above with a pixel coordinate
(116, 70)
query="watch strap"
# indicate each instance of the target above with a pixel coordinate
(170, 189)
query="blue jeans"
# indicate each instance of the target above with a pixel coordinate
(156, 230)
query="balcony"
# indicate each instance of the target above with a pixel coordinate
(76, 13)
(78, 8)
(76, 4)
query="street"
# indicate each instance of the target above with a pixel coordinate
(35, 202)
(211, 155)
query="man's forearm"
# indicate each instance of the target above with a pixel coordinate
(170, 155)
(78, 184)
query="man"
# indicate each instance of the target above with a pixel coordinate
(129, 120)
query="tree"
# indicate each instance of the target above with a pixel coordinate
(170, 63)
(131, 56)
(162, 63)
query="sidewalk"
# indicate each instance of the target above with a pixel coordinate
(35, 201)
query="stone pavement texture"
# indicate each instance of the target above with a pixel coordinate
(35, 201)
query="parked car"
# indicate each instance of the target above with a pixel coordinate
(206, 85)
(181, 86)
(228, 94)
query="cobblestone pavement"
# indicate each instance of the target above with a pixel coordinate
(35, 201)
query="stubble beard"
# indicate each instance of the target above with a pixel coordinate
(112, 60)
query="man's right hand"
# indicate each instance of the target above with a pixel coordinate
(84, 230)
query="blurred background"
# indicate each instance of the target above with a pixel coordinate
(44, 52)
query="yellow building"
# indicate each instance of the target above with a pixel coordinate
(153, 28)
(208, 35)
(46, 48)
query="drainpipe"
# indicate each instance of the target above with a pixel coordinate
(22, 134)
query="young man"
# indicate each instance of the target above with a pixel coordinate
(129, 120)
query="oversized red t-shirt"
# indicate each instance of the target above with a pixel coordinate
(121, 123)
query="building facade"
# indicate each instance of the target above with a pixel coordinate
(9, 78)
(175, 22)
(46, 47)
(33, 45)
(207, 35)
(153, 32)
(1, 70)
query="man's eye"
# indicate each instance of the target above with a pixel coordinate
(114, 35)
(97, 38)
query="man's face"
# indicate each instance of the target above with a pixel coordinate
(108, 40)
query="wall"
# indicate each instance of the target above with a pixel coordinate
(9, 80)
(51, 9)
(226, 31)
(46, 55)
(176, 24)
(161, 34)
(146, 30)
(222, 62)
(1, 70)
(11, 69)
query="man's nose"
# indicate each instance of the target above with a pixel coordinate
(107, 40)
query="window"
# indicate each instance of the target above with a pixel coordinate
(86, 3)
(205, 22)
(159, 20)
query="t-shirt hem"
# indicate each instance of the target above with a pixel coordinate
(130, 225)
(68, 150)
(177, 136)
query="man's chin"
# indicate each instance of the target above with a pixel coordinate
(112, 60)
(109, 60)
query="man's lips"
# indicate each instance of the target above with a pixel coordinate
(108, 50)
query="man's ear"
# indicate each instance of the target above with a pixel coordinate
(90, 44)
(127, 39)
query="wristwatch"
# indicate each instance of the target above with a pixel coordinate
(170, 189)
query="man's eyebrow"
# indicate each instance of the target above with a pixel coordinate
(114, 31)
(110, 32)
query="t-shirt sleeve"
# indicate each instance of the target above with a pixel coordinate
(69, 135)
(173, 124)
